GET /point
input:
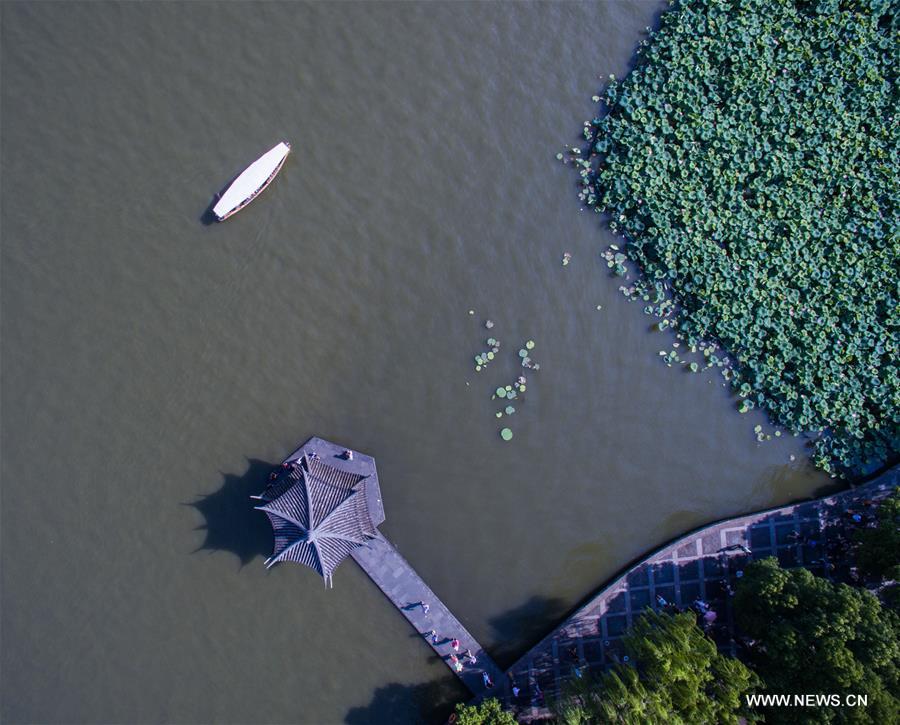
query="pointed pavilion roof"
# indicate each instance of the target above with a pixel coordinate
(320, 512)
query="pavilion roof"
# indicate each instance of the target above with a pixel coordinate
(319, 513)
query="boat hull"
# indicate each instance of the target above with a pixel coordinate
(251, 182)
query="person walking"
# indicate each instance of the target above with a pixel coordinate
(454, 643)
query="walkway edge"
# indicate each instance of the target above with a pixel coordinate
(406, 590)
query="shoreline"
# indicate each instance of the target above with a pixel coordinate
(595, 625)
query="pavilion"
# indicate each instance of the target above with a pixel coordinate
(323, 502)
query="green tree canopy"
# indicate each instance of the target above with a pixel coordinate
(487, 712)
(816, 637)
(678, 677)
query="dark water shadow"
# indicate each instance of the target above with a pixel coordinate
(428, 702)
(208, 218)
(520, 628)
(232, 524)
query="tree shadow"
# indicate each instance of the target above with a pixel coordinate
(517, 629)
(232, 524)
(428, 702)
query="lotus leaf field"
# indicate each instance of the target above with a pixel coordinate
(750, 160)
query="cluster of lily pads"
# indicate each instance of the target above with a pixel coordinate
(708, 359)
(483, 358)
(750, 161)
(509, 392)
(525, 356)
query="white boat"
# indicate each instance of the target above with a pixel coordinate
(252, 180)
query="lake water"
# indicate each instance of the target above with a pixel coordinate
(153, 366)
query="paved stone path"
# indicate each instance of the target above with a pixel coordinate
(400, 583)
(703, 564)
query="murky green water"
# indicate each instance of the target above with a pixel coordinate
(152, 366)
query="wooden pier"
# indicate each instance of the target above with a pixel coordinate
(405, 589)
(374, 553)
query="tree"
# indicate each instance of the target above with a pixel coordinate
(678, 677)
(878, 555)
(487, 712)
(816, 637)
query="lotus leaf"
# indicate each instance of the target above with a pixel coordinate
(751, 158)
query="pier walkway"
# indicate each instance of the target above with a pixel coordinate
(316, 471)
(704, 564)
(402, 586)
